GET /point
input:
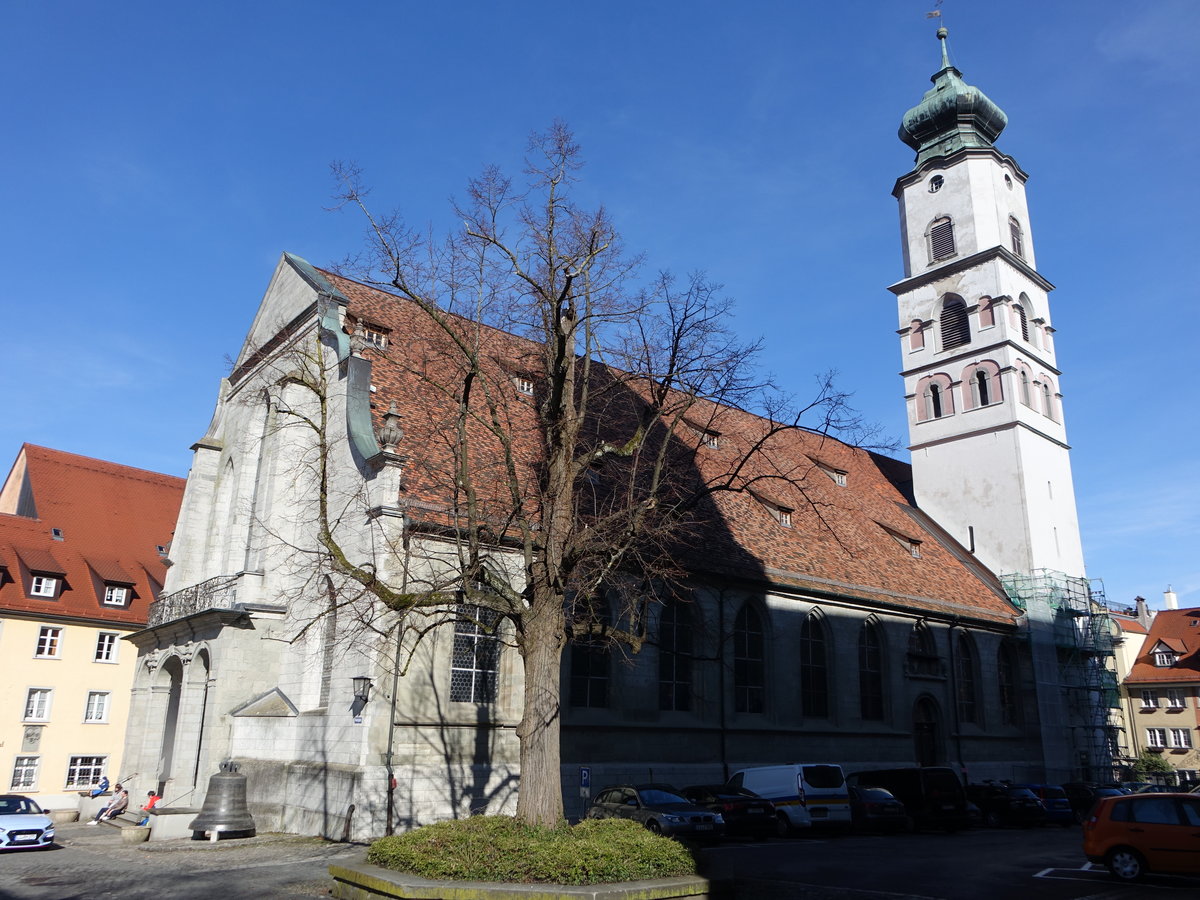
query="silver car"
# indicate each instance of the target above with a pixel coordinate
(660, 808)
(23, 824)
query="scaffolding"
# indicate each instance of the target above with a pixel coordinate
(1072, 645)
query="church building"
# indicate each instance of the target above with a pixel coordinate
(864, 612)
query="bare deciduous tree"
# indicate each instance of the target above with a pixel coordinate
(562, 406)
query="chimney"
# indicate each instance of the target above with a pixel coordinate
(1170, 600)
(1143, 611)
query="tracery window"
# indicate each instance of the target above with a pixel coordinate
(966, 690)
(749, 663)
(814, 668)
(675, 656)
(1006, 664)
(870, 672)
(476, 658)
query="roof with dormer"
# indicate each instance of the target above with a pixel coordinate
(88, 524)
(952, 115)
(1179, 631)
(862, 540)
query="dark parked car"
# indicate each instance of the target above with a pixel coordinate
(1006, 804)
(660, 808)
(932, 795)
(877, 809)
(1055, 801)
(1084, 794)
(745, 813)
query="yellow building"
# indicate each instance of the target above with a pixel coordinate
(82, 544)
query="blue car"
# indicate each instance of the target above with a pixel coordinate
(1056, 802)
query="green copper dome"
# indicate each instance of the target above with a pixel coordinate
(951, 116)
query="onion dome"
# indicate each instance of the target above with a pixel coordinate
(951, 116)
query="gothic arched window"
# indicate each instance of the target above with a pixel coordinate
(675, 656)
(870, 672)
(956, 327)
(1023, 373)
(1010, 706)
(965, 687)
(814, 668)
(922, 652)
(749, 664)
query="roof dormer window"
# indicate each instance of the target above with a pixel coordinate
(780, 513)
(43, 586)
(911, 545)
(116, 595)
(1164, 659)
(524, 385)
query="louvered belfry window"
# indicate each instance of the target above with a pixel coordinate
(941, 239)
(1021, 317)
(956, 330)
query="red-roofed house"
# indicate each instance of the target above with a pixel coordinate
(1163, 691)
(82, 544)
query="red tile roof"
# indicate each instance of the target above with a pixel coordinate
(853, 541)
(1178, 629)
(111, 519)
(1133, 626)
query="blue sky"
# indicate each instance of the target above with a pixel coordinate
(159, 157)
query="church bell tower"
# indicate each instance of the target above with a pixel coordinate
(990, 457)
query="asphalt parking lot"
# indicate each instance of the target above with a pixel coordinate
(92, 863)
(1044, 863)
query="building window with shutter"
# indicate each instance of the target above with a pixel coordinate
(1021, 319)
(941, 239)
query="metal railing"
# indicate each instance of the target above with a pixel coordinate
(215, 593)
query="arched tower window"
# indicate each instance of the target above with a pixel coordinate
(934, 397)
(1017, 235)
(870, 672)
(941, 239)
(675, 656)
(1048, 405)
(965, 686)
(814, 668)
(981, 384)
(1025, 379)
(956, 327)
(1021, 318)
(749, 664)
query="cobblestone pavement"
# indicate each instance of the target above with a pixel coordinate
(93, 863)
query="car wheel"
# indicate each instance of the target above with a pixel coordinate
(1126, 864)
(783, 826)
(991, 819)
(653, 827)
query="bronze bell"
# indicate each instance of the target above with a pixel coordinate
(224, 811)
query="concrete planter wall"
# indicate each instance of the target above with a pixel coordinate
(62, 816)
(363, 881)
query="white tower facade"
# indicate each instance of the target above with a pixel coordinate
(990, 457)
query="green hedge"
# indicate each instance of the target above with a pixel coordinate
(499, 848)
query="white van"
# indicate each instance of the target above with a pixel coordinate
(805, 794)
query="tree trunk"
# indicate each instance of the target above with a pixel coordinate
(539, 801)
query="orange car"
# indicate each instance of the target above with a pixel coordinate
(1139, 833)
